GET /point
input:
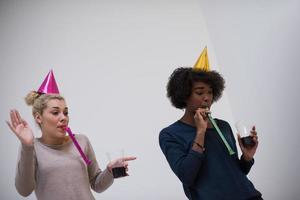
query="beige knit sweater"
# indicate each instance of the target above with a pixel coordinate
(57, 172)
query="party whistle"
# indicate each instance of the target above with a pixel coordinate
(231, 152)
(86, 160)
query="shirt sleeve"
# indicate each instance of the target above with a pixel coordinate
(246, 165)
(180, 159)
(99, 180)
(25, 172)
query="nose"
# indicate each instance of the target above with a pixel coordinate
(63, 118)
(206, 98)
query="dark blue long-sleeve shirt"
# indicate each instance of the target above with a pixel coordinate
(213, 174)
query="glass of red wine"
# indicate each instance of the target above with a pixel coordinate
(244, 130)
(118, 172)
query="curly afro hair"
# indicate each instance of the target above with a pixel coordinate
(181, 81)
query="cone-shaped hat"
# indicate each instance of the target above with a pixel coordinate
(202, 63)
(49, 85)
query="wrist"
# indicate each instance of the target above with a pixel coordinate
(247, 158)
(200, 137)
(109, 167)
(199, 146)
(201, 131)
(27, 146)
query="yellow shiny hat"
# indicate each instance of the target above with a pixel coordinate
(202, 63)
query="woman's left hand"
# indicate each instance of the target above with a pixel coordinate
(120, 162)
(248, 152)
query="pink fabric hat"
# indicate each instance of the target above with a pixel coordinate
(49, 85)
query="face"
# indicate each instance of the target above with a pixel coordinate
(201, 97)
(54, 119)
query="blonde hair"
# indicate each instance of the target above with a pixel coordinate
(39, 101)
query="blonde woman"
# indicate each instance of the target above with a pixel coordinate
(51, 165)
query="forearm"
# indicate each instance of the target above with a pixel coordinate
(189, 167)
(103, 181)
(25, 172)
(194, 158)
(245, 164)
(184, 161)
(198, 144)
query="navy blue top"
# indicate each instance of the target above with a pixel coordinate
(213, 174)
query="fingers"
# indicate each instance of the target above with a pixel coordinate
(126, 170)
(255, 139)
(24, 122)
(121, 161)
(203, 111)
(128, 158)
(125, 165)
(201, 114)
(15, 118)
(239, 140)
(17, 115)
(125, 160)
(253, 134)
(197, 114)
(10, 126)
(19, 119)
(253, 131)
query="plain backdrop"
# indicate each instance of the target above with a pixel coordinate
(112, 60)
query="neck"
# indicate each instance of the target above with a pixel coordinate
(188, 119)
(53, 141)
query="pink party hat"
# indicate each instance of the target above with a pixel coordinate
(49, 85)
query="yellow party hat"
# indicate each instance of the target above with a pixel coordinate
(202, 63)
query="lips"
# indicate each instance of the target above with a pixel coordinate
(63, 127)
(204, 106)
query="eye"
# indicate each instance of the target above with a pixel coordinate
(55, 113)
(66, 113)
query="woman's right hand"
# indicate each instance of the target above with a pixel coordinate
(120, 162)
(20, 128)
(201, 119)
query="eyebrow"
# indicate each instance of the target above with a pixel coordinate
(55, 107)
(199, 87)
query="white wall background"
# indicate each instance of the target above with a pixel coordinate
(112, 60)
(257, 44)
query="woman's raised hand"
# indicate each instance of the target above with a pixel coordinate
(20, 128)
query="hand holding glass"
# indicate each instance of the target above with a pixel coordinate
(245, 130)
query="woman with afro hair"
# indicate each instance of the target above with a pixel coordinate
(193, 148)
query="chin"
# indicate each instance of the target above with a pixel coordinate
(62, 133)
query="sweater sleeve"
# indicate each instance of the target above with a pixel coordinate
(184, 163)
(246, 165)
(25, 172)
(99, 180)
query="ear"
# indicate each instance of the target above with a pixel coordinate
(38, 118)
